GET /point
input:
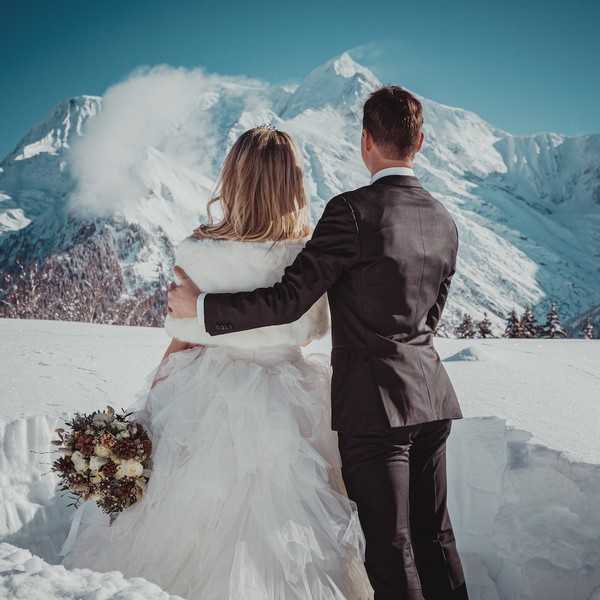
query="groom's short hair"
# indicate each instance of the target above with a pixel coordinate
(394, 117)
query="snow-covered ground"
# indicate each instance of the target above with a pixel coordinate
(524, 465)
(28, 577)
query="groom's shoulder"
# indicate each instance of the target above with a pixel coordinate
(369, 202)
(364, 199)
(349, 202)
(357, 197)
(358, 203)
(367, 193)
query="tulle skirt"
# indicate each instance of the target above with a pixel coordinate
(245, 500)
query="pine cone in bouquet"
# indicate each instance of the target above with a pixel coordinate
(106, 457)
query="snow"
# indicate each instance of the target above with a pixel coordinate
(339, 82)
(524, 464)
(47, 144)
(549, 388)
(13, 219)
(23, 576)
(76, 366)
(527, 207)
(75, 111)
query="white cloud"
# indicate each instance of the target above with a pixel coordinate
(164, 108)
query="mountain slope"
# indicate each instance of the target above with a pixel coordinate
(527, 207)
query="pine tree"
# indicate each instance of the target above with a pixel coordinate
(529, 323)
(466, 330)
(588, 329)
(553, 328)
(485, 327)
(513, 326)
(441, 330)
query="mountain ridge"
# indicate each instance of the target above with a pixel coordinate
(527, 207)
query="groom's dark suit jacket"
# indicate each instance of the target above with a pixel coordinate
(385, 254)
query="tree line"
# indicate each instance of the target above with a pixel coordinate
(525, 326)
(86, 284)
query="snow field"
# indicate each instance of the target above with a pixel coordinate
(524, 464)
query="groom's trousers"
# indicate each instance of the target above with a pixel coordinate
(398, 481)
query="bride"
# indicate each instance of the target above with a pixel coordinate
(245, 500)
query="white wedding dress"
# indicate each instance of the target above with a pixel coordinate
(245, 500)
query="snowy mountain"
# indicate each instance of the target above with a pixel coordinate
(35, 176)
(137, 171)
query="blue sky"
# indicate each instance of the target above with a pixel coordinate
(525, 66)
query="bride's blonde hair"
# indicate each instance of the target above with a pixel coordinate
(260, 190)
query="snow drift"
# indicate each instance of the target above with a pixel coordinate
(25, 576)
(524, 465)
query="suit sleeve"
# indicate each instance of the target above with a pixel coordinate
(435, 312)
(333, 248)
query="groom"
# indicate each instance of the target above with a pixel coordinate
(385, 254)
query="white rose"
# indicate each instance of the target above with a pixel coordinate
(129, 468)
(79, 462)
(96, 462)
(102, 451)
(81, 466)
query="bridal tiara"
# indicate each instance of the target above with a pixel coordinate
(269, 126)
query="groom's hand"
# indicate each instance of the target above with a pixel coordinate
(182, 299)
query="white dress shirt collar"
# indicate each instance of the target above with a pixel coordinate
(407, 171)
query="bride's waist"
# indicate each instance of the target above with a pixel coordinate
(268, 355)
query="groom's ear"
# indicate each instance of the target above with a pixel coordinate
(421, 141)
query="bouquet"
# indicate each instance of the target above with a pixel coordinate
(106, 457)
